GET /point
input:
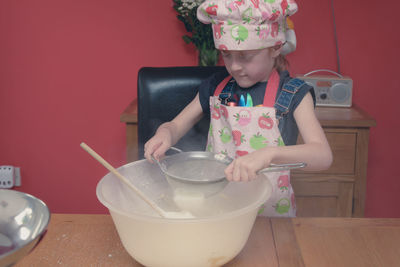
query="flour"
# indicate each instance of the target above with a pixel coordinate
(178, 215)
(187, 200)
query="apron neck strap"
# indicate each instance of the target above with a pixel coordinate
(222, 85)
(270, 91)
(272, 88)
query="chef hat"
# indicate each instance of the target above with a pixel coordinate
(247, 24)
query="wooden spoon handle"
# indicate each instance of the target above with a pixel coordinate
(122, 178)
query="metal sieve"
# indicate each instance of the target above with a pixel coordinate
(200, 172)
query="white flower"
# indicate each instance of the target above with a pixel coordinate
(192, 3)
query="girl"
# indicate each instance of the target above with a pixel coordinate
(256, 109)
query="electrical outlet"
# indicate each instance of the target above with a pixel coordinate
(9, 176)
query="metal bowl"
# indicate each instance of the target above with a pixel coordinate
(23, 222)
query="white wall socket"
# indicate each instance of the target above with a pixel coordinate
(9, 176)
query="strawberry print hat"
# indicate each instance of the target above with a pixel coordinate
(247, 24)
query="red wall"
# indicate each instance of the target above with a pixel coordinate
(68, 70)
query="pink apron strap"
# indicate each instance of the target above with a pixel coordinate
(272, 88)
(222, 85)
(270, 91)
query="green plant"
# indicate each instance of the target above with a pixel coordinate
(199, 34)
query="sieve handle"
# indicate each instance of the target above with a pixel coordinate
(122, 178)
(176, 149)
(158, 163)
(283, 167)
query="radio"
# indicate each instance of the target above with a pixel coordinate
(330, 90)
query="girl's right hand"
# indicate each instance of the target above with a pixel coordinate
(158, 144)
(170, 132)
(245, 168)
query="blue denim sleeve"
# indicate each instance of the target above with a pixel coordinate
(287, 125)
(300, 95)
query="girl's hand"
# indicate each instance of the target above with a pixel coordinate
(158, 144)
(245, 168)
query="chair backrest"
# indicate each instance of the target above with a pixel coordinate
(162, 94)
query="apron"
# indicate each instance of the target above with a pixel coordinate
(237, 131)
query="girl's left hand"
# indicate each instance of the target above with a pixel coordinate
(245, 168)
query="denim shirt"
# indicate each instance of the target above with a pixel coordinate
(287, 124)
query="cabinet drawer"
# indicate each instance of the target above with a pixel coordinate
(343, 145)
(323, 199)
(316, 206)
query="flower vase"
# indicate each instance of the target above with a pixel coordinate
(208, 57)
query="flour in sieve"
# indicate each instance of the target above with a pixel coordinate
(197, 169)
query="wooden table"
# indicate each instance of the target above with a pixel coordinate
(92, 240)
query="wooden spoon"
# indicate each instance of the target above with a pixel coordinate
(161, 212)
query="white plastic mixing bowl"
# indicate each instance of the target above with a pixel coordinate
(218, 233)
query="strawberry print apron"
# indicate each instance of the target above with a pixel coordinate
(237, 131)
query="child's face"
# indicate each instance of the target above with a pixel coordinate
(250, 66)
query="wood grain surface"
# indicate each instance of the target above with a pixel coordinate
(348, 242)
(92, 240)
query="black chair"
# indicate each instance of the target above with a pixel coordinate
(162, 94)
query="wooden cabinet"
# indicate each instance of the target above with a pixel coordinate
(130, 118)
(340, 190)
(336, 192)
